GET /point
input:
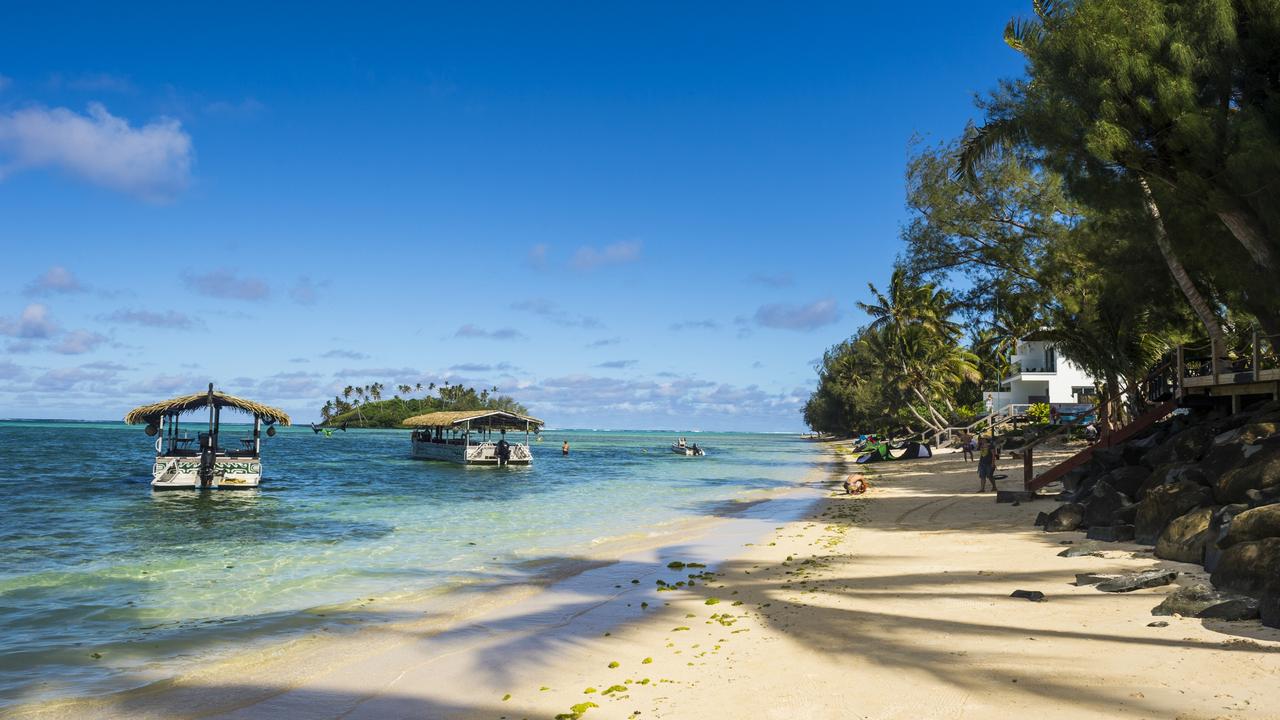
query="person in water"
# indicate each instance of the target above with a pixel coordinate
(564, 448)
(504, 450)
(986, 464)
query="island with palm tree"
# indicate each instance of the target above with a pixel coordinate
(365, 406)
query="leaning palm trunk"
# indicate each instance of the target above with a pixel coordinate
(1198, 304)
(1245, 227)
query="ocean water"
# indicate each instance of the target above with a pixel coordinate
(103, 581)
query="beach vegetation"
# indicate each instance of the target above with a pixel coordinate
(364, 405)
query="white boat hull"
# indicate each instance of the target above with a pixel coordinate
(483, 454)
(179, 473)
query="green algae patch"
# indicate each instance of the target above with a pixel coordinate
(675, 565)
(506, 697)
(711, 601)
(644, 681)
(589, 690)
(646, 661)
(695, 565)
(613, 664)
(678, 629)
(615, 689)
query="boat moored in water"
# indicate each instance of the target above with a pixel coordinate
(680, 447)
(467, 437)
(184, 462)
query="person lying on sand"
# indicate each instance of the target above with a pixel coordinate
(855, 485)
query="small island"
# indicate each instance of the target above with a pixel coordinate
(363, 405)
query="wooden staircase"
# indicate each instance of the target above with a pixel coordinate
(1140, 423)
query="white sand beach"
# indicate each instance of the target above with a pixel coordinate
(892, 605)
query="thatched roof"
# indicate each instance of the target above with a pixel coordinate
(186, 403)
(479, 418)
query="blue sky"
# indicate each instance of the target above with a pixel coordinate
(627, 216)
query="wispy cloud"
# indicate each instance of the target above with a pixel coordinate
(305, 291)
(55, 280)
(696, 325)
(483, 367)
(471, 331)
(96, 83)
(34, 323)
(537, 257)
(348, 354)
(78, 342)
(799, 317)
(619, 253)
(777, 280)
(616, 364)
(11, 371)
(165, 384)
(545, 308)
(237, 110)
(170, 319)
(604, 342)
(226, 284)
(152, 162)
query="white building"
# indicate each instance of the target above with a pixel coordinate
(1039, 374)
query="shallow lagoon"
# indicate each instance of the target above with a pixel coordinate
(102, 578)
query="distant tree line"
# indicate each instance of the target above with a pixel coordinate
(364, 406)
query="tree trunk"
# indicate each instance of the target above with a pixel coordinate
(927, 424)
(932, 411)
(1244, 226)
(1198, 304)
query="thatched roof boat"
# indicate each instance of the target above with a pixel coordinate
(466, 437)
(183, 461)
(152, 413)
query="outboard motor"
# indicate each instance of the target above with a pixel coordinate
(207, 453)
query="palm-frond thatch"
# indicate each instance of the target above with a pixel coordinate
(152, 413)
(498, 419)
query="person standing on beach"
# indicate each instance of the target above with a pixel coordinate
(986, 464)
(967, 445)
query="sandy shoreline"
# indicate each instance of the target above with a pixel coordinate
(895, 605)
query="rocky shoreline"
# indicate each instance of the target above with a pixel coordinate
(1202, 487)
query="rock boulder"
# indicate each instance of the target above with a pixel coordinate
(1184, 539)
(1102, 504)
(1164, 503)
(1255, 524)
(1260, 471)
(1248, 567)
(1067, 517)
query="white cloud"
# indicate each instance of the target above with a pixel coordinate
(224, 283)
(619, 253)
(34, 323)
(696, 325)
(799, 317)
(549, 310)
(537, 256)
(347, 354)
(152, 162)
(471, 331)
(147, 318)
(78, 342)
(56, 279)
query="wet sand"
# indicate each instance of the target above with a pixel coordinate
(892, 605)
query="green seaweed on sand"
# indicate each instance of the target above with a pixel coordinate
(589, 690)
(615, 689)
(678, 629)
(646, 661)
(694, 565)
(613, 664)
(711, 601)
(675, 565)
(644, 681)
(576, 711)
(506, 697)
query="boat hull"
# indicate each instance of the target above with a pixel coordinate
(484, 454)
(687, 451)
(183, 473)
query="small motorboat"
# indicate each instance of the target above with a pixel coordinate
(687, 450)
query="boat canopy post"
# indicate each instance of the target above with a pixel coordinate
(257, 435)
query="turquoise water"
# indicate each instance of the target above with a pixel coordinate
(101, 578)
